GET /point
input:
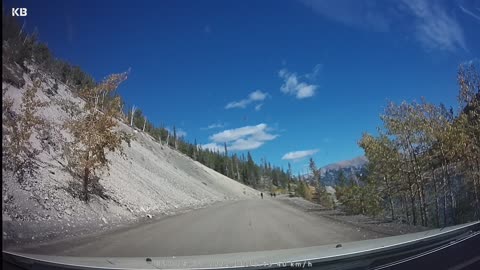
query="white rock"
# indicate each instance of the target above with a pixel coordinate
(6, 217)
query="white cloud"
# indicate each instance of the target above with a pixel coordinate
(305, 90)
(213, 147)
(257, 96)
(238, 104)
(180, 132)
(237, 133)
(245, 144)
(435, 28)
(243, 138)
(293, 85)
(258, 107)
(298, 155)
(252, 97)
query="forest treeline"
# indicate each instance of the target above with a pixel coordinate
(86, 154)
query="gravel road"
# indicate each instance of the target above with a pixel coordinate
(227, 227)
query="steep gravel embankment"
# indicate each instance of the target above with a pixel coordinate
(151, 179)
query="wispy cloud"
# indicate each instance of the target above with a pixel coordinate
(299, 155)
(255, 96)
(243, 138)
(431, 22)
(214, 126)
(471, 12)
(360, 14)
(473, 61)
(258, 107)
(435, 28)
(207, 29)
(300, 86)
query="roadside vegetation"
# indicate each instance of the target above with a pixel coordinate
(18, 153)
(424, 164)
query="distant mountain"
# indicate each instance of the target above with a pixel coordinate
(350, 168)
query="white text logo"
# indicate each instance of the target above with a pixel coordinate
(22, 12)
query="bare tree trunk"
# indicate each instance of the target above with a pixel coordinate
(390, 199)
(103, 99)
(405, 207)
(437, 203)
(392, 209)
(122, 113)
(144, 123)
(96, 101)
(447, 181)
(476, 184)
(238, 171)
(412, 205)
(411, 196)
(445, 220)
(419, 181)
(423, 208)
(131, 116)
(451, 197)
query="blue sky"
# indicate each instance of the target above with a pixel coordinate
(282, 79)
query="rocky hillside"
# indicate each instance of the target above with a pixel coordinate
(149, 181)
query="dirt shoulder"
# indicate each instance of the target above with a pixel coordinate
(377, 225)
(19, 236)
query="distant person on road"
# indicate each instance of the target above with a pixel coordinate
(274, 195)
(261, 194)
